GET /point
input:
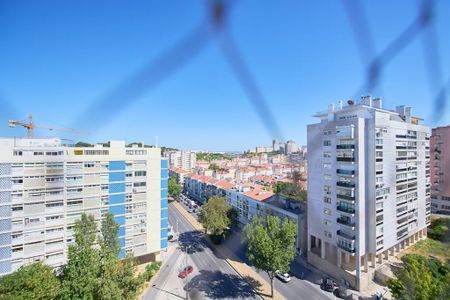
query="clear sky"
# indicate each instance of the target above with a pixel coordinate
(57, 58)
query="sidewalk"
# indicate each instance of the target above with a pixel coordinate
(241, 268)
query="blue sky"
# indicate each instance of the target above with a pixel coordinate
(59, 57)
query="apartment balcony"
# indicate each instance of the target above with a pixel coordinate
(346, 222)
(350, 237)
(345, 146)
(345, 209)
(345, 197)
(345, 172)
(345, 159)
(345, 184)
(348, 249)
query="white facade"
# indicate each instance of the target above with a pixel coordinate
(185, 160)
(45, 187)
(368, 187)
(291, 147)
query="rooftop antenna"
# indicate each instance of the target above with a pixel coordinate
(156, 141)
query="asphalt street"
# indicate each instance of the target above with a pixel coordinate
(302, 284)
(213, 278)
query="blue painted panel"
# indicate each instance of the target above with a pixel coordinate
(164, 194)
(117, 165)
(164, 164)
(117, 210)
(121, 231)
(117, 199)
(5, 253)
(164, 173)
(164, 213)
(163, 203)
(164, 232)
(122, 253)
(122, 242)
(116, 176)
(163, 243)
(5, 267)
(117, 187)
(164, 183)
(164, 223)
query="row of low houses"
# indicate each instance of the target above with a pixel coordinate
(248, 198)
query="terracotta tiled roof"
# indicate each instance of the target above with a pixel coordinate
(258, 195)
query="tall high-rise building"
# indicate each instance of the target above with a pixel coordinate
(368, 187)
(291, 147)
(185, 160)
(45, 187)
(440, 166)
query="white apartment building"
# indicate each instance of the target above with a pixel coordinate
(250, 202)
(185, 160)
(368, 187)
(45, 187)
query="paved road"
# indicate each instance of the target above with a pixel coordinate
(302, 284)
(213, 278)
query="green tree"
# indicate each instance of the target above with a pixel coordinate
(214, 216)
(271, 244)
(108, 287)
(79, 276)
(174, 188)
(129, 284)
(35, 281)
(420, 278)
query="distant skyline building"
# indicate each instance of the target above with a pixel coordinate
(45, 187)
(182, 159)
(291, 147)
(440, 170)
(368, 187)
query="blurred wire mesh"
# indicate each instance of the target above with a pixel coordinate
(214, 27)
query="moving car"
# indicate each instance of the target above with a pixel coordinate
(285, 277)
(185, 272)
(328, 285)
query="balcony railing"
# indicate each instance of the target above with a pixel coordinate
(345, 222)
(346, 235)
(345, 172)
(345, 184)
(345, 159)
(347, 248)
(345, 209)
(345, 197)
(345, 146)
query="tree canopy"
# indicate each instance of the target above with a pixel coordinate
(271, 244)
(421, 278)
(290, 190)
(174, 188)
(215, 216)
(35, 281)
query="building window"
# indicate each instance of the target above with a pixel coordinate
(327, 154)
(328, 234)
(327, 143)
(327, 211)
(327, 199)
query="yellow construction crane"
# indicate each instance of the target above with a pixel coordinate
(30, 126)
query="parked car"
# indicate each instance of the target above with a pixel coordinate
(285, 277)
(328, 285)
(185, 272)
(340, 293)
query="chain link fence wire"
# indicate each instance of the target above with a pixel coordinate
(421, 26)
(215, 27)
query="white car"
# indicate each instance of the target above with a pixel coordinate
(285, 277)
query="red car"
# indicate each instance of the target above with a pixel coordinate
(185, 272)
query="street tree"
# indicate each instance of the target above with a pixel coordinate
(270, 244)
(35, 281)
(108, 287)
(420, 278)
(80, 274)
(214, 216)
(174, 188)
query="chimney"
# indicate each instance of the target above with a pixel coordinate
(366, 100)
(340, 104)
(331, 107)
(378, 103)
